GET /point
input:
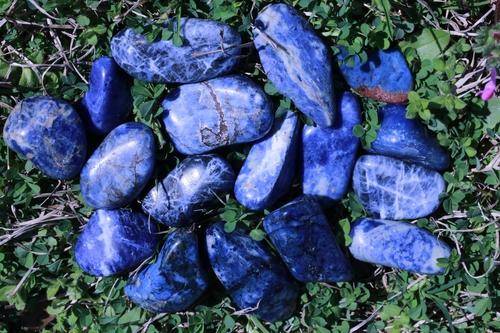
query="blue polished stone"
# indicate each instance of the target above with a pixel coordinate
(269, 169)
(115, 241)
(393, 189)
(257, 281)
(189, 190)
(203, 116)
(120, 167)
(385, 76)
(407, 139)
(175, 281)
(209, 49)
(329, 154)
(108, 101)
(303, 238)
(397, 244)
(296, 61)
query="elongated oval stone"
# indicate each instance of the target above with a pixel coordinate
(296, 61)
(269, 169)
(209, 49)
(175, 281)
(203, 116)
(329, 154)
(256, 280)
(305, 242)
(120, 167)
(392, 189)
(115, 241)
(407, 139)
(49, 133)
(397, 244)
(191, 188)
(385, 76)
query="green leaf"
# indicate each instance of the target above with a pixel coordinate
(257, 234)
(481, 306)
(358, 131)
(431, 43)
(82, 20)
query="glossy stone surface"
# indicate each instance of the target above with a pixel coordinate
(120, 167)
(253, 277)
(175, 281)
(303, 238)
(115, 241)
(393, 189)
(407, 139)
(209, 49)
(203, 116)
(108, 101)
(189, 189)
(50, 134)
(296, 60)
(397, 244)
(329, 154)
(385, 76)
(269, 168)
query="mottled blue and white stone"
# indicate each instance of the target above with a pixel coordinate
(201, 117)
(407, 139)
(269, 168)
(256, 280)
(115, 241)
(108, 101)
(397, 244)
(329, 154)
(49, 133)
(210, 49)
(175, 281)
(296, 61)
(301, 234)
(189, 190)
(120, 167)
(393, 189)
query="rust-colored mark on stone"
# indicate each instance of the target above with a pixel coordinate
(379, 94)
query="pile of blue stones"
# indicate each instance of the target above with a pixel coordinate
(397, 179)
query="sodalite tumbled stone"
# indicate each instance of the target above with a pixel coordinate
(203, 116)
(397, 244)
(256, 280)
(393, 189)
(175, 281)
(385, 76)
(303, 238)
(188, 190)
(108, 101)
(209, 49)
(269, 168)
(329, 154)
(50, 134)
(407, 139)
(115, 241)
(120, 167)
(296, 60)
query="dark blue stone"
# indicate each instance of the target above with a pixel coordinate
(209, 49)
(115, 241)
(120, 167)
(189, 190)
(303, 238)
(397, 244)
(407, 139)
(385, 76)
(108, 101)
(175, 281)
(203, 116)
(393, 189)
(268, 171)
(296, 61)
(257, 281)
(50, 134)
(329, 154)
